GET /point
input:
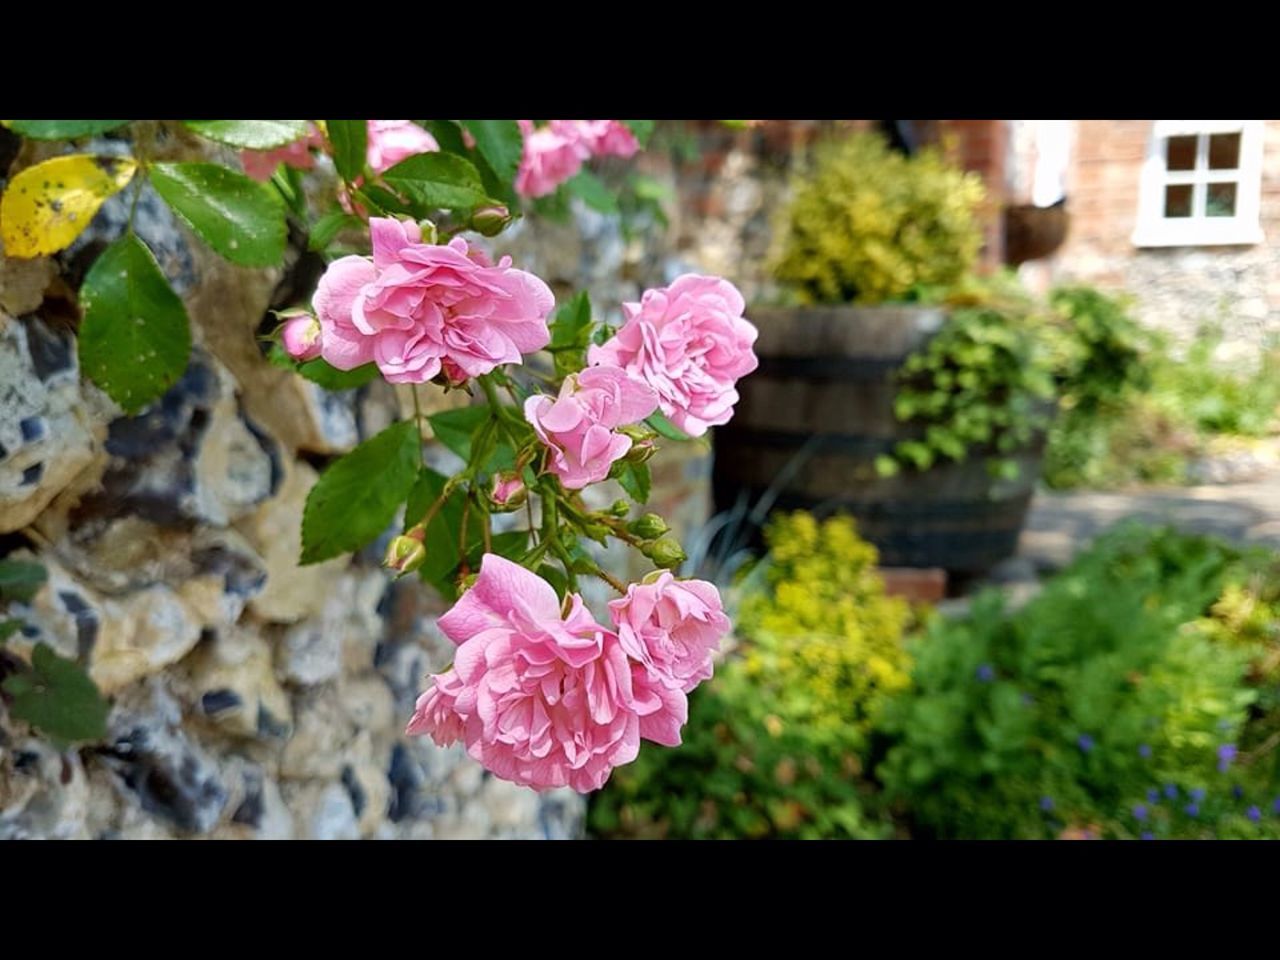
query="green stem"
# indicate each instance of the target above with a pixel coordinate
(417, 417)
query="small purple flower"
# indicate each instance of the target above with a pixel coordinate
(1153, 795)
(1170, 791)
(1254, 814)
(1140, 812)
(1144, 751)
(1197, 794)
(1226, 753)
(986, 672)
(1085, 742)
(1046, 803)
(1148, 835)
(1275, 807)
(1192, 809)
(1237, 791)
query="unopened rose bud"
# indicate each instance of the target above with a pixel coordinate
(648, 527)
(508, 492)
(666, 552)
(300, 336)
(642, 443)
(490, 221)
(405, 554)
(620, 508)
(597, 532)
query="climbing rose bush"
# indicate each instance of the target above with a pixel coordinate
(541, 692)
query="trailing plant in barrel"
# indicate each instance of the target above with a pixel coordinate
(778, 740)
(541, 692)
(983, 384)
(866, 224)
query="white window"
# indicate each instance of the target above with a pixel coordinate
(1201, 184)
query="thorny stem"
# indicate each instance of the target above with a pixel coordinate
(610, 580)
(462, 536)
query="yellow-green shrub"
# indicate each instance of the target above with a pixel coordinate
(777, 741)
(866, 224)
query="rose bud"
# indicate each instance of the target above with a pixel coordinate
(508, 491)
(491, 220)
(666, 552)
(300, 337)
(648, 527)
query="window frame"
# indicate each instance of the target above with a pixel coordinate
(1154, 229)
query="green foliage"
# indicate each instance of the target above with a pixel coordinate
(438, 181)
(20, 580)
(777, 740)
(570, 327)
(1146, 420)
(500, 143)
(358, 495)
(592, 191)
(57, 697)
(62, 129)
(321, 373)
(242, 220)
(1094, 693)
(635, 480)
(984, 383)
(250, 134)
(866, 224)
(135, 338)
(350, 140)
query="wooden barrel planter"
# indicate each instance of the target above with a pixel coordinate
(818, 411)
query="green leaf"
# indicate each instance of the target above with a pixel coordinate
(250, 134)
(20, 580)
(329, 226)
(358, 495)
(58, 697)
(592, 191)
(8, 628)
(448, 134)
(570, 324)
(455, 428)
(886, 466)
(641, 129)
(500, 143)
(665, 428)
(242, 220)
(62, 129)
(634, 478)
(135, 338)
(438, 180)
(350, 139)
(321, 373)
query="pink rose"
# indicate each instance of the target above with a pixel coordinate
(390, 141)
(416, 309)
(690, 343)
(301, 337)
(672, 627)
(551, 156)
(578, 427)
(539, 699)
(605, 138)
(508, 491)
(261, 164)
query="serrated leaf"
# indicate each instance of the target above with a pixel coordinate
(570, 323)
(20, 580)
(455, 428)
(350, 142)
(500, 143)
(665, 428)
(58, 698)
(591, 190)
(47, 206)
(242, 220)
(640, 129)
(438, 180)
(135, 338)
(358, 495)
(62, 129)
(250, 134)
(329, 226)
(634, 478)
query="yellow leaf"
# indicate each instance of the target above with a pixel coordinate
(47, 206)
